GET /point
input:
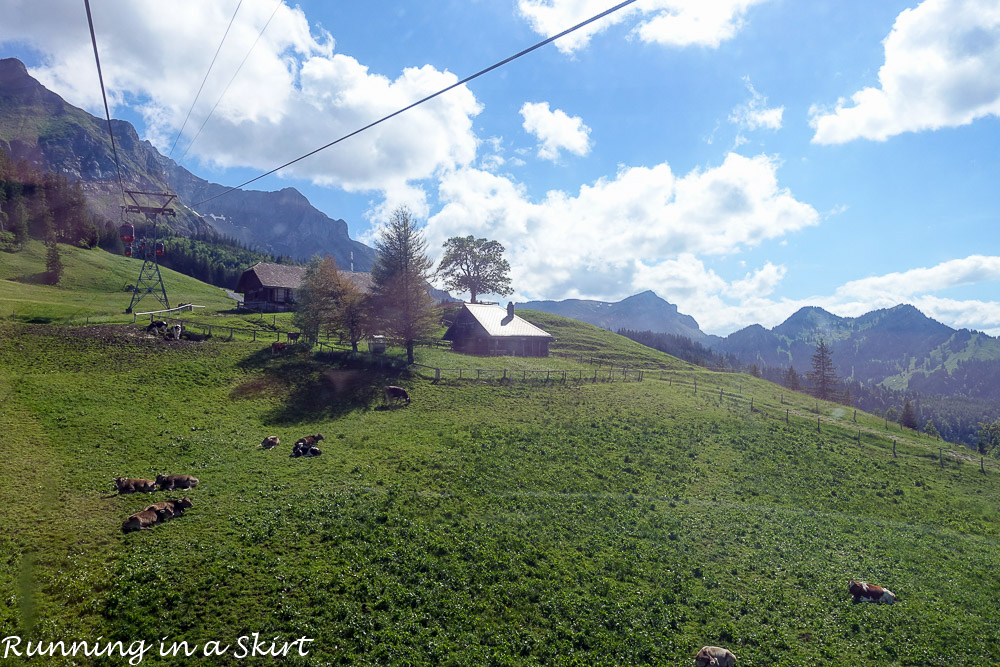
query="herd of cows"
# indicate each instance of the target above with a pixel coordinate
(157, 512)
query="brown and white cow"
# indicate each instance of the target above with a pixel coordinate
(168, 509)
(862, 591)
(270, 442)
(715, 657)
(394, 393)
(307, 446)
(278, 348)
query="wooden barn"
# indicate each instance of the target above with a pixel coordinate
(491, 330)
(271, 287)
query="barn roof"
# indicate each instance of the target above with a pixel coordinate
(279, 275)
(286, 275)
(496, 321)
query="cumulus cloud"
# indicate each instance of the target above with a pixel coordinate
(942, 69)
(902, 285)
(668, 22)
(645, 225)
(555, 130)
(294, 94)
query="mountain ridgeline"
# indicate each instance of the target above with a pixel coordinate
(884, 358)
(39, 129)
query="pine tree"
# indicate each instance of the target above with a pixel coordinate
(316, 299)
(908, 418)
(791, 379)
(402, 306)
(53, 262)
(823, 377)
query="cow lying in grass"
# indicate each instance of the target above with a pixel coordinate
(714, 656)
(307, 446)
(167, 509)
(394, 394)
(143, 520)
(870, 593)
(270, 442)
(129, 485)
(159, 326)
(171, 482)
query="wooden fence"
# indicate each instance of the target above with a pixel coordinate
(537, 375)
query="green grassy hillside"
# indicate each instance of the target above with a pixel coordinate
(485, 523)
(92, 286)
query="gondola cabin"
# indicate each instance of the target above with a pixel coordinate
(159, 249)
(127, 233)
(128, 251)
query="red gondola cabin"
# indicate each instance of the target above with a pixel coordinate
(127, 233)
(128, 251)
(159, 248)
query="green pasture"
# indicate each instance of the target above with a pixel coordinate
(488, 522)
(484, 523)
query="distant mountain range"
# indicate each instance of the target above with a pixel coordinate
(39, 127)
(899, 347)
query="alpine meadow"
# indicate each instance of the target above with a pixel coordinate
(586, 517)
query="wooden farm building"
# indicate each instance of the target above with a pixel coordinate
(491, 330)
(272, 287)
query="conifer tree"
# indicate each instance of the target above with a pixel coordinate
(402, 306)
(791, 379)
(908, 417)
(823, 377)
(53, 262)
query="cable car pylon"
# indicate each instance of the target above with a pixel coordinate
(150, 281)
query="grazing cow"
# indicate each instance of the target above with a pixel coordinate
(307, 446)
(393, 393)
(143, 520)
(715, 656)
(168, 509)
(129, 485)
(293, 336)
(174, 332)
(270, 442)
(870, 593)
(171, 482)
(277, 348)
(156, 326)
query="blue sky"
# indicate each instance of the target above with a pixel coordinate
(740, 158)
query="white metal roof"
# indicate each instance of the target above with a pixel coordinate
(494, 319)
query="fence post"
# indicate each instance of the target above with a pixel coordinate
(437, 375)
(786, 415)
(941, 456)
(696, 386)
(595, 374)
(505, 374)
(751, 404)
(720, 396)
(255, 335)
(817, 425)
(893, 449)
(855, 416)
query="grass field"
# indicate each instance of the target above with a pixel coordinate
(486, 523)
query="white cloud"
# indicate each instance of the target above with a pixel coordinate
(621, 234)
(293, 95)
(555, 130)
(942, 69)
(755, 113)
(901, 286)
(918, 287)
(668, 22)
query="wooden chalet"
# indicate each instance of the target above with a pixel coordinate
(272, 287)
(490, 330)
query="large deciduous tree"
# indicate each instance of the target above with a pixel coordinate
(823, 378)
(401, 304)
(475, 266)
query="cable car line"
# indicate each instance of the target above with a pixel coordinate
(107, 112)
(212, 64)
(226, 89)
(425, 99)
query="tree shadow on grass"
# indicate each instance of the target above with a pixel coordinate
(308, 388)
